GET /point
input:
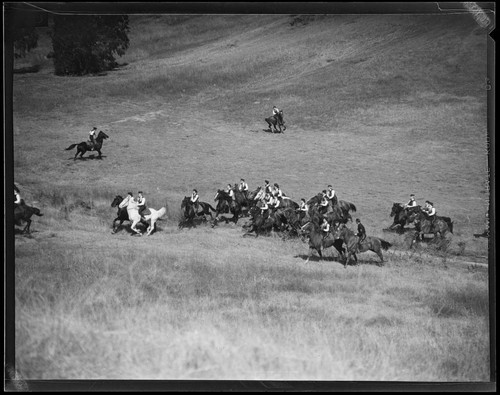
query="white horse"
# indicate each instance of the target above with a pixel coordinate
(133, 213)
(153, 217)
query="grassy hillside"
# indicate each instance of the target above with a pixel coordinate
(378, 106)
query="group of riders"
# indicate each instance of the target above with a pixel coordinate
(269, 198)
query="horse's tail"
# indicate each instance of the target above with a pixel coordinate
(71, 146)
(385, 244)
(351, 206)
(449, 223)
(35, 211)
(210, 207)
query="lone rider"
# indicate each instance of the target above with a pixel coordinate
(92, 137)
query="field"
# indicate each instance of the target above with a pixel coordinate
(379, 106)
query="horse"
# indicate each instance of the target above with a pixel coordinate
(276, 120)
(317, 240)
(190, 212)
(259, 223)
(402, 216)
(130, 212)
(153, 217)
(286, 202)
(122, 214)
(85, 146)
(225, 204)
(425, 225)
(370, 243)
(23, 213)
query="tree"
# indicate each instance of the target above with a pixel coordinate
(87, 44)
(25, 39)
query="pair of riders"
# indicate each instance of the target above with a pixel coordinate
(428, 209)
(141, 202)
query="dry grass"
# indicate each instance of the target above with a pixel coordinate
(378, 115)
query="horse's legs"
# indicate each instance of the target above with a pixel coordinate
(379, 253)
(311, 250)
(133, 227)
(100, 154)
(27, 227)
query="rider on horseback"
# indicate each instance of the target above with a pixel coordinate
(17, 197)
(194, 199)
(331, 195)
(267, 187)
(430, 211)
(325, 227)
(92, 137)
(230, 192)
(411, 205)
(141, 202)
(243, 187)
(361, 232)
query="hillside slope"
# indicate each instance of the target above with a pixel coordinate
(379, 105)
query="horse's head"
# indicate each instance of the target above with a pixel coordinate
(396, 208)
(221, 195)
(185, 202)
(102, 136)
(116, 201)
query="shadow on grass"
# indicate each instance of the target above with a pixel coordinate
(90, 157)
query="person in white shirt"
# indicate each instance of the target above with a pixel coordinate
(243, 187)
(17, 197)
(141, 202)
(92, 136)
(325, 227)
(412, 203)
(194, 199)
(331, 195)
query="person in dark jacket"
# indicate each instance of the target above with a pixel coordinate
(361, 232)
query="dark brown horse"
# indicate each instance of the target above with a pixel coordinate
(225, 204)
(438, 226)
(23, 214)
(317, 240)
(191, 212)
(276, 120)
(370, 243)
(402, 216)
(85, 146)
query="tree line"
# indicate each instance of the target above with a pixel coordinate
(81, 44)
